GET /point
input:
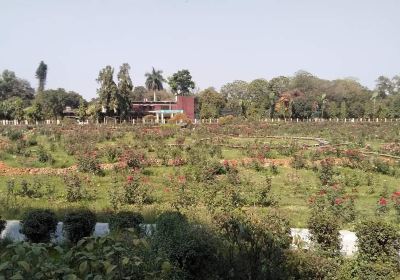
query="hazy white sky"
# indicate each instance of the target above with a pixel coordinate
(217, 40)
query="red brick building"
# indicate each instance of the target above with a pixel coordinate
(164, 109)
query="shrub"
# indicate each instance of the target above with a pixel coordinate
(79, 224)
(74, 188)
(327, 172)
(180, 118)
(123, 220)
(377, 240)
(2, 225)
(190, 248)
(112, 153)
(298, 161)
(38, 225)
(324, 229)
(383, 167)
(304, 265)
(33, 190)
(133, 159)
(15, 135)
(89, 164)
(134, 192)
(44, 156)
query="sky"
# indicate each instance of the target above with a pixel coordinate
(218, 41)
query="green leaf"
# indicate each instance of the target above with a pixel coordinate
(17, 276)
(110, 269)
(83, 267)
(125, 261)
(25, 265)
(70, 277)
(4, 266)
(89, 246)
(36, 250)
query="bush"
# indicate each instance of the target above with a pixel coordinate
(79, 224)
(2, 225)
(44, 156)
(89, 164)
(324, 229)
(38, 225)
(15, 135)
(304, 265)
(124, 220)
(190, 248)
(378, 240)
(298, 161)
(74, 188)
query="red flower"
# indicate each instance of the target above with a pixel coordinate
(396, 193)
(382, 201)
(322, 192)
(338, 201)
(129, 178)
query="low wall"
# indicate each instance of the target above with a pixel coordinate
(301, 236)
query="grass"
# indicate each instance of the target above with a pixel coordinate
(291, 187)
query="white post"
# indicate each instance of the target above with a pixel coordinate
(157, 118)
(162, 118)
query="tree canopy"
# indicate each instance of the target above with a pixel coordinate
(181, 82)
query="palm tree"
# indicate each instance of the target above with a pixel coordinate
(154, 81)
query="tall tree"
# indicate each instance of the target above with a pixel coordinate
(211, 103)
(259, 98)
(125, 87)
(181, 82)
(12, 86)
(154, 81)
(82, 110)
(138, 93)
(54, 101)
(41, 75)
(384, 86)
(108, 91)
(236, 94)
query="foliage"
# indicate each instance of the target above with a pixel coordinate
(126, 220)
(181, 82)
(377, 240)
(154, 81)
(38, 225)
(89, 164)
(2, 225)
(211, 103)
(79, 224)
(190, 248)
(11, 86)
(324, 229)
(75, 191)
(41, 75)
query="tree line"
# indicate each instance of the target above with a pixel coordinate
(302, 95)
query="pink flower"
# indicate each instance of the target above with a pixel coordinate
(382, 201)
(338, 201)
(129, 179)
